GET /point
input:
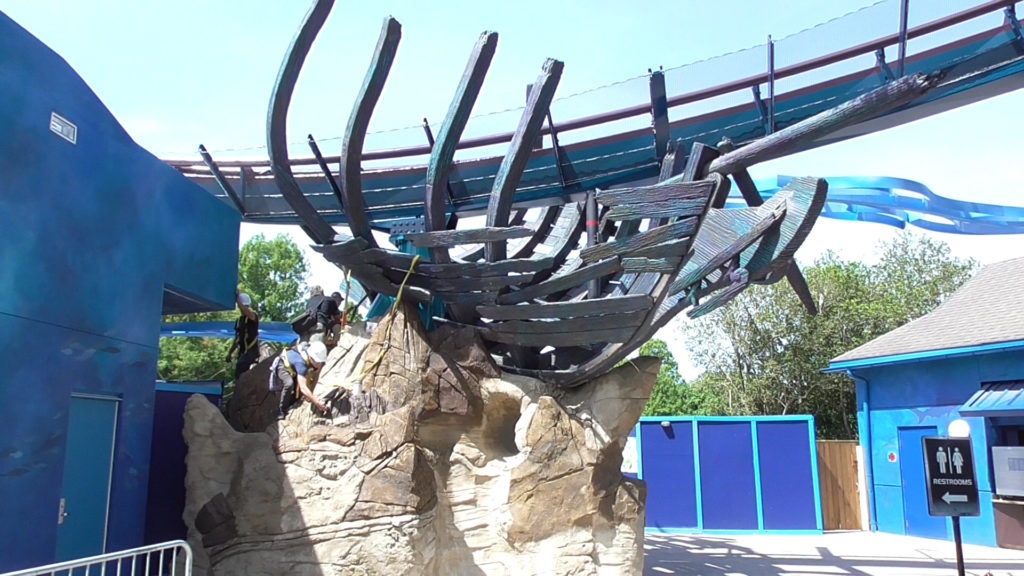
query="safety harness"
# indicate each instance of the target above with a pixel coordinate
(282, 358)
(241, 330)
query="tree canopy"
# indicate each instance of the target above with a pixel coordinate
(763, 353)
(672, 396)
(274, 273)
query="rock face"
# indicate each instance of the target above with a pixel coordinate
(456, 469)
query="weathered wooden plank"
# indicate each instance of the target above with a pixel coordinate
(673, 162)
(804, 198)
(448, 138)
(659, 113)
(467, 298)
(543, 231)
(717, 300)
(678, 191)
(788, 140)
(344, 251)
(520, 149)
(277, 141)
(803, 291)
(466, 284)
(559, 338)
(581, 309)
(665, 265)
(666, 233)
(568, 232)
(672, 248)
(766, 218)
(673, 209)
(564, 282)
(696, 164)
(358, 122)
(470, 236)
(401, 261)
(608, 321)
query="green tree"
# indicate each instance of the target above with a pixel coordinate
(765, 353)
(672, 396)
(274, 273)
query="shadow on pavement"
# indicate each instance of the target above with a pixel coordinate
(844, 553)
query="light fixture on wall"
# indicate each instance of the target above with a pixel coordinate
(959, 428)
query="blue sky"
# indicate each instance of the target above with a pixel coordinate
(178, 74)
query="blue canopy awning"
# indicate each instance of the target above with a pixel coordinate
(996, 399)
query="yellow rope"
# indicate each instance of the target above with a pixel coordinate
(391, 322)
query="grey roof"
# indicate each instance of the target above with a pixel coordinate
(988, 309)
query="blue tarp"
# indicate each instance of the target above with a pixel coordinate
(269, 331)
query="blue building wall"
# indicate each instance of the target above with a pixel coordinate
(730, 475)
(99, 239)
(925, 395)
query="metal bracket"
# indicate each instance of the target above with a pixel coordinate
(883, 66)
(326, 171)
(762, 109)
(1010, 15)
(219, 177)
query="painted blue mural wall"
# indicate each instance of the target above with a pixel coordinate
(898, 399)
(730, 475)
(99, 238)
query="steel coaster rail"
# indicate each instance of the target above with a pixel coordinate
(869, 47)
(144, 561)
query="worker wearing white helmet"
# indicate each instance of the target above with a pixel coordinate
(290, 372)
(247, 335)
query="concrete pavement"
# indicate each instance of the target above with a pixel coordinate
(831, 554)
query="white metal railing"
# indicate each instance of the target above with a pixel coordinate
(155, 559)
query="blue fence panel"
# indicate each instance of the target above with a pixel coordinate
(789, 495)
(728, 490)
(668, 469)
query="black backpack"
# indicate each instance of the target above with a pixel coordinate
(304, 322)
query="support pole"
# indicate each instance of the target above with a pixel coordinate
(327, 171)
(593, 286)
(219, 177)
(771, 85)
(959, 546)
(659, 113)
(904, 12)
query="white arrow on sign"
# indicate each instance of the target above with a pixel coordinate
(950, 498)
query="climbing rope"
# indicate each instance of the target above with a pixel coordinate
(391, 322)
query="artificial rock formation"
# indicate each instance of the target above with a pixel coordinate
(456, 469)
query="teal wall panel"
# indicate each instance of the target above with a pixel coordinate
(93, 232)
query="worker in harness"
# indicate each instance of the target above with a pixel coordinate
(247, 335)
(291, 371)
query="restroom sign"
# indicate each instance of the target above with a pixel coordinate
(949, 472)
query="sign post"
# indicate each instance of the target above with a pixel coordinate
(952, 485)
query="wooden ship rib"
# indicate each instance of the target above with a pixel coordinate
(569, 294)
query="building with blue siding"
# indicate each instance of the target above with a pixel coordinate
(964, 360)
(100, 238)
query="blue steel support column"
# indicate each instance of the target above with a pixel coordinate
(759, 504)
(639, 453)
(864, 431)
(696, 475)
(820, 523)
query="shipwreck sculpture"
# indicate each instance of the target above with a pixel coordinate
(569, 294)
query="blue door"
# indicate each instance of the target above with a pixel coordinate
(916, 519)
(88, 463)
